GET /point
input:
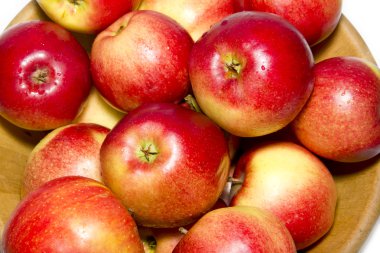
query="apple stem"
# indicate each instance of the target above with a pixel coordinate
(190, 100)
(121, 28)
(235, 181)
(131, 212)
(183, 230)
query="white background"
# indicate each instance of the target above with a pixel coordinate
(363, 14)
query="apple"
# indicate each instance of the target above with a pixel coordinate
(68, 150)
(89, 17)
(160, 240)
(71, 214)
(251, 73)
(97, 111)
(237, 229)
(168, 164)
(164, 240)
(232, 140)
(341, 121)
(195, 16)
(315, 19)
(142, 57)
(293, 184)
(44, 75)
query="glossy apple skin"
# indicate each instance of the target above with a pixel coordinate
(164, 240)
(195, 16)
(66, 151)
(341, 121)
(167, 164)
(239, 230)
(315, 19)
(253, 68)
(88, 17)
(292, 183)
(142, 57)
(71, 214)
(44, 76)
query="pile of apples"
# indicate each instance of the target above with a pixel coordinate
(225, 123)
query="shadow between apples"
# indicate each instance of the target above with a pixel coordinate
(29, 137)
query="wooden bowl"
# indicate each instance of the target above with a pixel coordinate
(358, 184)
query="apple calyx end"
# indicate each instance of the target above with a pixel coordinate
(40, 76)
(150, 243)
(233, 66)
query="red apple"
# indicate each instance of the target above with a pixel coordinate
(292, 183)
(341, 121)
(251, 73)
(69, 150)
(195, 16)
(233, 141)
(71, 214)
(44, 75)
(160, 240)
(91, 16)
(315, 19)
(164, 240)
(142, 57)
(167, 164)
(239, 230)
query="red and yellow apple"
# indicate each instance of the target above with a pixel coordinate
(160, 240)
(238, 229)
(251, 73)
(142, 57)
(44, 75)
(293, 184)
(168, 164)
(71, 214)
(90, 16)
(72, 150)
(341, 121)
(164, 240)
(315, 19)
(195, 16)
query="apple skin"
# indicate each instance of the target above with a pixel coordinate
(315, 19)
(341, 121)
(237, 229)
(292, 183)
(167, 164)
(253, 68)
(69, 150)
(164, 240)
(142, 57)
(71, 214)
(160, 240)
(89, 17)
(44, 76)
(195, 16)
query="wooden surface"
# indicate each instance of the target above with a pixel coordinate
(358, 184)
